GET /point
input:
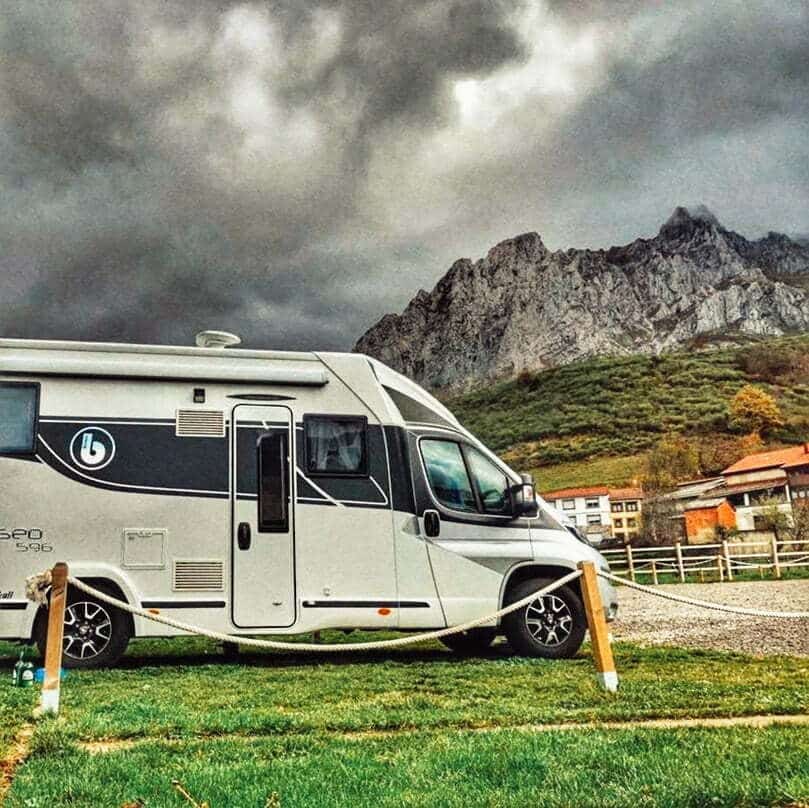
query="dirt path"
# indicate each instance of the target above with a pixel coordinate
(753, 721)
(13, 759)
(647, 619)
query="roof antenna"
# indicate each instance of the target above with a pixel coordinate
(216, 339)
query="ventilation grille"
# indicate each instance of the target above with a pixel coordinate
(200, 424)
(199, 576)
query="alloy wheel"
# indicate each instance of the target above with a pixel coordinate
(88, 630)
(549, 620)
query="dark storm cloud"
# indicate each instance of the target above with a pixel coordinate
(137, 204)
(291, 171)
(690, 102)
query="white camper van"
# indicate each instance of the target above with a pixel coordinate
(263, 492)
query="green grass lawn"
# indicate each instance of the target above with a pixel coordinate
(400, 728)
(511, 768)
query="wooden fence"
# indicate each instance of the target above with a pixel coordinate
(721, 561)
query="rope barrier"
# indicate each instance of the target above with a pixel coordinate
(719, 607)
(364, 646)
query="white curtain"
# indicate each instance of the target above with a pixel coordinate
(334, 445)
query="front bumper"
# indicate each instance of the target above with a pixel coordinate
(609, 597)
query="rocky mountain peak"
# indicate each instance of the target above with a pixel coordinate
(497, 316)
(689, 219)
(527, 247)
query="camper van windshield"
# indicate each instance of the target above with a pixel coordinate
(18, 413)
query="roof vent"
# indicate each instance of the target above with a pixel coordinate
(216, 339)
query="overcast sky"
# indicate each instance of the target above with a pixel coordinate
(292, 171)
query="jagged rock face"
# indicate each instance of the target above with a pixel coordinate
(524, 307)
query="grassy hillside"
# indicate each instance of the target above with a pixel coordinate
(557, 423)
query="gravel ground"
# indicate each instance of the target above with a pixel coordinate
(647, 619)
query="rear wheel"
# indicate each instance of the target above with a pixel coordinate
(96, 634)
(474, 641)
(552, 626)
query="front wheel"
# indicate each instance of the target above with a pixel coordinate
(474, 641)
(96, 634)
(552, 626)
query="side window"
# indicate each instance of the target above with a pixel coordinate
(336, 445)
(493, 485)
(18, 417)
(447, 474)
(273, 482)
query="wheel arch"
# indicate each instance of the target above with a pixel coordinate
(537, 569)
(98, 580)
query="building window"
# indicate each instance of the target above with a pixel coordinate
(632, 507)
(593, 519)
(631, 523)
(617, 507)
(336, 445)
(19, 404)
(618, 522)
(591, 503)
(568, 504)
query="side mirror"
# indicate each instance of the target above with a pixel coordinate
(525, 498)
(432, 524)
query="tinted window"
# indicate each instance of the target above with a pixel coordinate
(335, 446)
(18, 417)
(493, 485)
(273, 477)
(447, 474)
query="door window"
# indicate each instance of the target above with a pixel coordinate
(18, 417)
(493, 485)
(273, 499)
(447, 474)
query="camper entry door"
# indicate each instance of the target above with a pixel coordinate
(263, 516)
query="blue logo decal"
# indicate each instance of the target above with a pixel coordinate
(92, 448)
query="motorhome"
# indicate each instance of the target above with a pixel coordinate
(263, 492)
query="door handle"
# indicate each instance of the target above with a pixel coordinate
(243, 535)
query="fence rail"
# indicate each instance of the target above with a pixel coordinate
(722, 560)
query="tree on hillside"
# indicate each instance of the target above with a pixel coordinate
(754, 410)
(670, 461)
(717, 452)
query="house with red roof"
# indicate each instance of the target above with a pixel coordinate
(588, 507)
(780, 476)
(599, 511)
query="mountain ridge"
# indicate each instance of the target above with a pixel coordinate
(525, 307)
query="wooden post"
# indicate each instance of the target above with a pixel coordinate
(726, 551)
(678, 552)
(720, 568)
(599, 636)
(49, 702)
(776, 564)
(629, 563)
(654, 572)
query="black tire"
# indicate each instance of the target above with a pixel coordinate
(553, 629)
(96, 634)
(468, 643)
